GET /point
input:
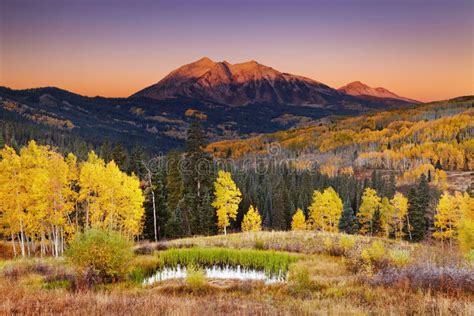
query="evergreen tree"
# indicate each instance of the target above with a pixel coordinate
(105, 151)
(198, 177)
(418, 200)
(174, 181)
(377, 223)
(138, 160)
(119, 155)
(348, 222)
(2, 142)
(391, 187)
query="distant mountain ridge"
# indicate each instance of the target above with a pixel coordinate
(251, 83)
(360, 89)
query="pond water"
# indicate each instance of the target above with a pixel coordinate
(216, 272)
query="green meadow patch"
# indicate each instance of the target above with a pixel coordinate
(272, 262)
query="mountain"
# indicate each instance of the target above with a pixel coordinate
(360, 89)
(233, 101)
(250, 83)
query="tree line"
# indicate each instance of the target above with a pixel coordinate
(47, 198)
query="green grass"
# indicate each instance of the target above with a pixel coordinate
(272, 262)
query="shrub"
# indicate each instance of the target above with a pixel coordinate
(328, 244)
(346, 243)
(374, 253)
(196, 280)
(259, 244)
(470, 256)
(441, 279)
(399, 258)
(299, 281)
(101, 256)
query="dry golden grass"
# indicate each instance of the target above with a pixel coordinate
(334, 288)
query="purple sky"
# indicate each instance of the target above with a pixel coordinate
(417, 48)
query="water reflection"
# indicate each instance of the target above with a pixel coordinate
(217, 272)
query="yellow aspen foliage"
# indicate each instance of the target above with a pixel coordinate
(400, 211)
(298, 222)
(466, 224)
(11, 200)
(43, 196)
(386, 217)
(252, 221)
(227, 199)
(326, 210)
(113, 200)
(448, 215)
(370, 203)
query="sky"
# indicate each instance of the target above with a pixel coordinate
(422, 49)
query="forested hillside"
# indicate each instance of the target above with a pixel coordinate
(433, 137)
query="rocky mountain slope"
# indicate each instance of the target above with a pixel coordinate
(360, 89)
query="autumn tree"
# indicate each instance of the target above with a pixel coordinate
(449, 213)
(465, 234)
(112, 199)
(326, 210)
(227, 199)
(370, 204)
(386, 217)
(400, 210)
(252, 221)
(298, 222)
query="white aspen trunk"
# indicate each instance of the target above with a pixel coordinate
(150, 183)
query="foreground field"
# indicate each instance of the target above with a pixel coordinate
(329, 277)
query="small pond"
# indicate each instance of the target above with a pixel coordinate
(216, 272)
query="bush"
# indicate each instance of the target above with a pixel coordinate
(440, 279)
(259, 244)
(399, 258)
(100, 256)
(299, 281)
(346, 243)
(196, 280)
(374, 253)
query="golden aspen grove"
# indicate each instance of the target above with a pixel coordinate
(45, 199)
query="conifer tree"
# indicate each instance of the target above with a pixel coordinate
(418, 199)
(198, 177)
(348, 223)
(2, 141)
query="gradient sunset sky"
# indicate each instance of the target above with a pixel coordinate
(422, 49)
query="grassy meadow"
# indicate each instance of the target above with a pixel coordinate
(327, 274)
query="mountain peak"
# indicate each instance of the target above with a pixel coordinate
(358, 88)
(238, 84)
(204, 60)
